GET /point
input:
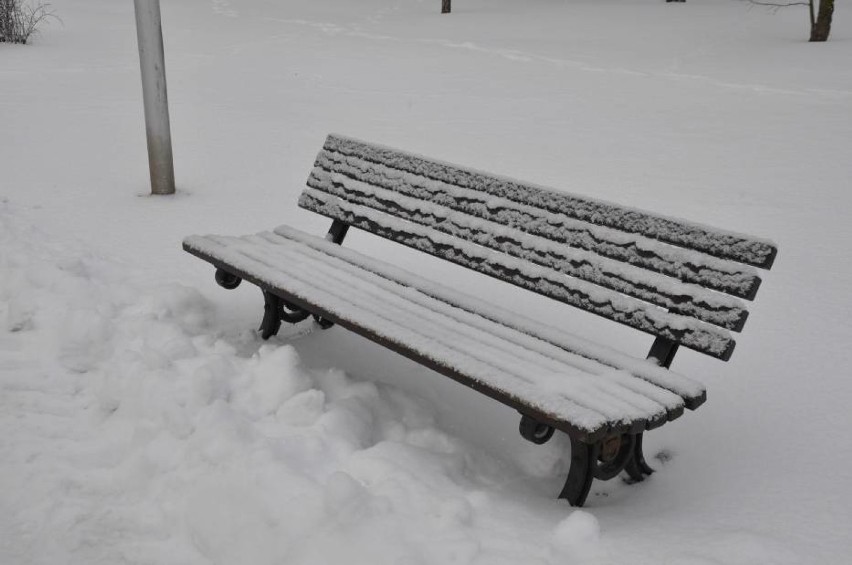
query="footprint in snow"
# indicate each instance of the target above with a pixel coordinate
(664, 456)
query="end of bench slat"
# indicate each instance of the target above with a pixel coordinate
(695, 401)
(675, 413)
(740, 323)
(770, 260)
(751, 293)
(668, 416)
(729, 350)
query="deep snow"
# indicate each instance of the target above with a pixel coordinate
(143, 421)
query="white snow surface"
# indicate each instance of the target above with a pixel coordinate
(143, 421)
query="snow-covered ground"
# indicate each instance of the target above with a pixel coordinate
(143, 421)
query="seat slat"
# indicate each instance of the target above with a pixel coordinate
(607, 396)
(529, 350)
(718, 243)
(665, 292)
(350, 311)
(516, 366)
(629, 311)
(685, 265)
(584, 354)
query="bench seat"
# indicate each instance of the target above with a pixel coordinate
(582, 388)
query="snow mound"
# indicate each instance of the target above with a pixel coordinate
(577, 535)
(153, 428)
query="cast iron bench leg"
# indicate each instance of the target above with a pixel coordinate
(273, 308)
(636, 467)
(581, 474)
(602, 460)
(276, 310)
(662, 351)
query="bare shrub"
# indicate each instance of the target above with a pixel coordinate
(20, 19)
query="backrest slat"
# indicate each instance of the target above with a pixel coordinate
(718, 243)
(670, 278)
(643, 316)
(677, 297)
(685, 265)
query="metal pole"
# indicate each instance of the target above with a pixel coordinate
(149, 34)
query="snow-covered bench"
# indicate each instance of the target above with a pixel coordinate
(681, 282)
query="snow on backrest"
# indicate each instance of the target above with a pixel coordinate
(712, 241)
(646, 280)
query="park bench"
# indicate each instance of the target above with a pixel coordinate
(681, 282)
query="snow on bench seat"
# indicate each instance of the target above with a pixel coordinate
(577, 386)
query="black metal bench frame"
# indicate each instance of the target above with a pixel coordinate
(600, 456)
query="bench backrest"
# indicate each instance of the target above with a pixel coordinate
(674, 279)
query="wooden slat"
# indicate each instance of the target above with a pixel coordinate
(718, 243)
(402, 339)
(311, 280)
(601, 389)
(662, 291)
(684, 265)
(690, 391)
(629, 311)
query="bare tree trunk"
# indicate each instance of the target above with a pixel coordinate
(6, 11)
(822, 26)
(445, 6)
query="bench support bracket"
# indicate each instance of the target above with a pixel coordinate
(534, 431)
(272, 309)
(602, 460)
(584, 458)
(636, 468)
(337, 232)
(662, 352)
(227, 280)
(276, 310)
(605, 459)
